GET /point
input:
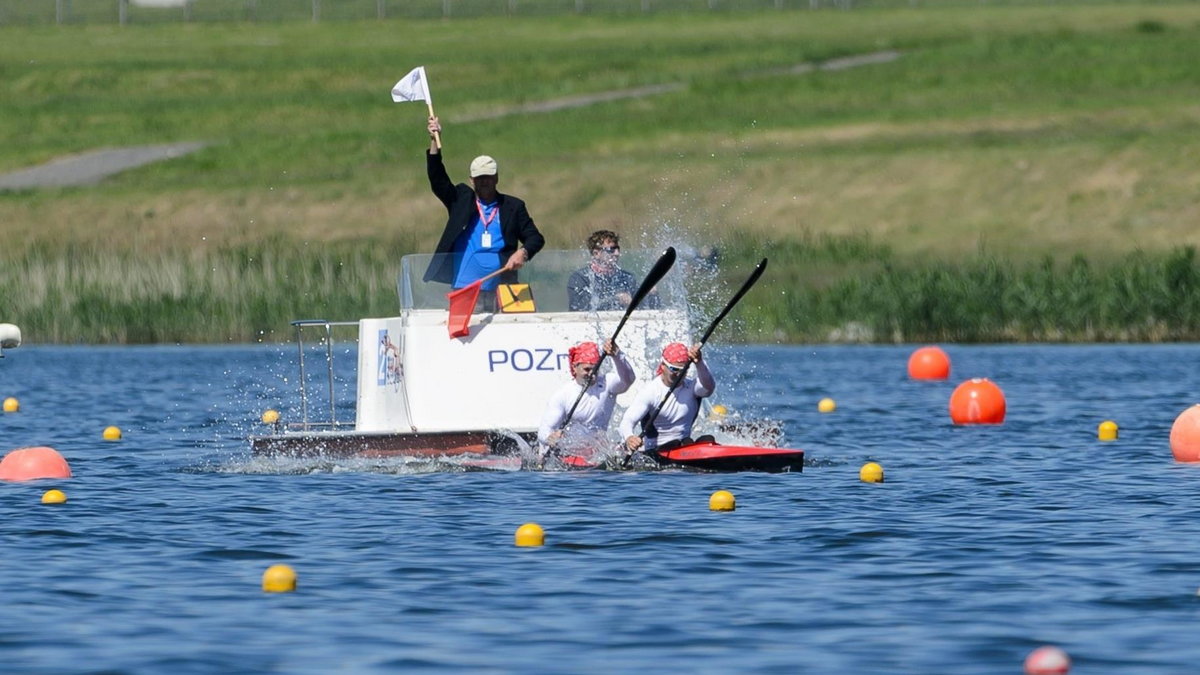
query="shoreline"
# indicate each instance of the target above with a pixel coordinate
(813, 293)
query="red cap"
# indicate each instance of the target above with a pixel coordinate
(674, 353)
(584, 352)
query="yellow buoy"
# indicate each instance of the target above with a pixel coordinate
(1107, 430)
(270, 417)
(827, 405)
(279, 579)
(11, 404)
(530, 534)
(871, 473)
(718, 411)
(54, 497)
(112, 433)
(722, 500)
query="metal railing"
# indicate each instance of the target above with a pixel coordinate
(35, 12)
(300, 325)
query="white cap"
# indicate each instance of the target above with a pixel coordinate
(483, 166)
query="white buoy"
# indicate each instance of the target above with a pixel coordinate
(10, 337)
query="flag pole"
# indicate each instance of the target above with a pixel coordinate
(437, 137)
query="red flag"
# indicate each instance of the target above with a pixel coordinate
(462, 304)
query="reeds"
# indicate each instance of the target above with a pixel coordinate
(1143, 297)
(819, 289)
(227, 294)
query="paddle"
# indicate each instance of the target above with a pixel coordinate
(655, 275)
(758, 270)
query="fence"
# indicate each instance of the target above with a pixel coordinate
(42, 12)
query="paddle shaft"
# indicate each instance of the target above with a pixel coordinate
(655, 275)
(758, 270)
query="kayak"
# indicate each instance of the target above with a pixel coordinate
(711, 456)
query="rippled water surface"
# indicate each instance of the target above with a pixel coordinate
(984, 542)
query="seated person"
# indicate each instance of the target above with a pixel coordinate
(680, 400)
(602, 285)
(589, 398)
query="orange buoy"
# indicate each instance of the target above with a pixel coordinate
(929, 363)
(33, 463)
(1047, 660)
(977, 401)
(1185, 435)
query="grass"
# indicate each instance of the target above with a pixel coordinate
(84, 295)
(1003, 136)
(1140, 298)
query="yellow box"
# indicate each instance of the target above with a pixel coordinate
(515, 298)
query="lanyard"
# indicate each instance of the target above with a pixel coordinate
(488, 220)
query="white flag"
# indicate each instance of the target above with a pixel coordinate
(412, 87)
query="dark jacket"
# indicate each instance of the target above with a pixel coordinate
(515, 223)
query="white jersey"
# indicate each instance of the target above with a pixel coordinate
(595, 408)
(675, 419)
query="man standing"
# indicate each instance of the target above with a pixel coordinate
(484, 226)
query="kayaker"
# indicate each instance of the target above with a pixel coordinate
(673, 425)
(602, 285)
(588, 425)
(484, 226)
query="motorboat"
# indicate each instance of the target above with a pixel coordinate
(430, 384)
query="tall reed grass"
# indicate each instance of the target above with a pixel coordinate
(816, 289)
(870, 296)
(227, 294)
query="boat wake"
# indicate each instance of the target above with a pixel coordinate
(319, 464)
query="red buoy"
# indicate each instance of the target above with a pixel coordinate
(929, 363)
(1047, 660)
(977, 401)
(33, 463)
(1185, 435)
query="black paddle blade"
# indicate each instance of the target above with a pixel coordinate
(655, 275)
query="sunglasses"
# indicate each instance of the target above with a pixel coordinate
(610, 249)
(673, 369)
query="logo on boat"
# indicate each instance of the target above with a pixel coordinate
(390, 368)
(524, 360)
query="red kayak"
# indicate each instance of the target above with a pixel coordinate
(713, 456)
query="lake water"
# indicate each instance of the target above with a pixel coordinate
(984, 543)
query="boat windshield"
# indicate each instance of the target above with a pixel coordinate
(559, 281)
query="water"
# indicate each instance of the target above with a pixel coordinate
(984, 543)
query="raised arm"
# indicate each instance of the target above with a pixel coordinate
(705, 384)
(435, 129)
(439, 180)
(619, 381)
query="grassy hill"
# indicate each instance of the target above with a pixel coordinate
(1029, 141)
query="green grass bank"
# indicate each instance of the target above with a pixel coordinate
(1019, 172)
